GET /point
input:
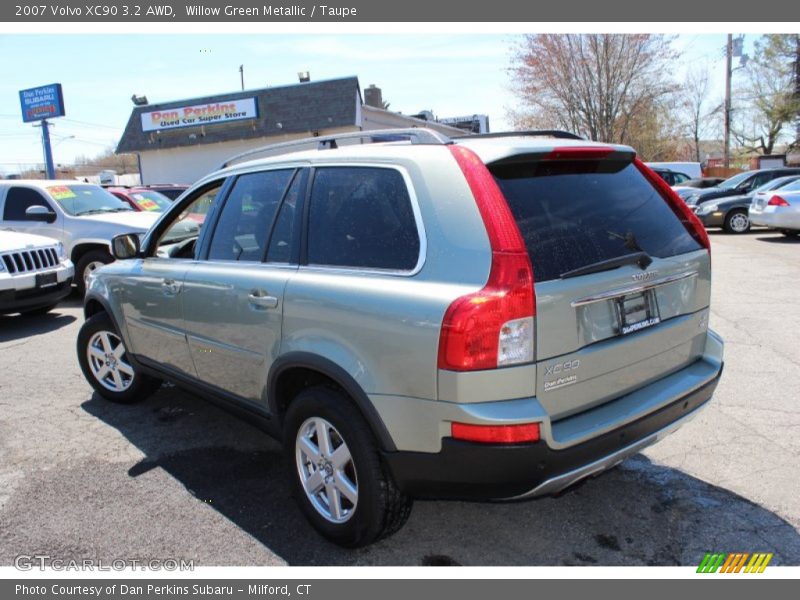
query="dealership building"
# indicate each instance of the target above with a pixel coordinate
(180, 141)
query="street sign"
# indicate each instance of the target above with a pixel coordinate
(41, 102)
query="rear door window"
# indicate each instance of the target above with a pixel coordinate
(362, 217)
(575, 213)
(20, 199)
(244, 225)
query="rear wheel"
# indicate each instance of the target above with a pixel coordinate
(790, 232)
(89, 262)
(737, 221)
(105, 364)
(339, 480)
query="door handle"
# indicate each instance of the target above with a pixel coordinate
(262, 299)
(171, 287)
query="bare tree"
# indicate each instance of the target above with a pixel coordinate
(597, 85)
(698, 117)
(770, 96)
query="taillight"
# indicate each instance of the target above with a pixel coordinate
(777, 201)
(693, 225)
(495, 434)
(494, 326)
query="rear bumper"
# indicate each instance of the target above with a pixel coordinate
(467, 470)
(777, 217)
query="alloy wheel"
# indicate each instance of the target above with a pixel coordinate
(108, 361)
(326, 469)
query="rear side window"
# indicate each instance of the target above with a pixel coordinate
(18, 200)
(362, 217)
(575, 213)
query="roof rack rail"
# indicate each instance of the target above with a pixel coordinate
(415, 135)
(556, 133)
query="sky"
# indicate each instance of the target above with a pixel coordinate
(450, 74)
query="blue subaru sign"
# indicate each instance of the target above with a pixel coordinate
(41, 102)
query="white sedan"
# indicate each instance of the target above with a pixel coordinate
(778, 209)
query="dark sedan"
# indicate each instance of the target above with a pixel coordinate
(730, 213)
(738, 185)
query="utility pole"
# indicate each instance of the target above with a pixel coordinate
(728, 72)
(797, 86)
(241, 73)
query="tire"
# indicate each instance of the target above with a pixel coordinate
(38, 312)
(87, 263)
(790, 233)
(737, 221)
(370, 505)
(106, 367)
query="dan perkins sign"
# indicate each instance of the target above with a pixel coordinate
(200, 114)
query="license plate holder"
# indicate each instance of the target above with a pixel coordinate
(46, 280)
(636, 311)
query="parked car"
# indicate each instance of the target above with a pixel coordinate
(170, 190)
(702, 182)
(141, 198)
(672, 178)
(374, 307)
(35, 273)
(84, 217)
(731, 213)
(692, 169)
(778, 209)
(741, 183)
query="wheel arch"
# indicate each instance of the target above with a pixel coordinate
(81, 247)
(296, 371)
(94, 304)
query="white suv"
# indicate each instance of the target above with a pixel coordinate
(35, 273)
(82, 216)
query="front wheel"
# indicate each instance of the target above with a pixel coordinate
(105, 364)
(338, 476)
(737, 221)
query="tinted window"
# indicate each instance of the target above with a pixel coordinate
(282, 240)
(244, 224)
(361, 217)
(679, 178)
(18, 200)
(573, 214)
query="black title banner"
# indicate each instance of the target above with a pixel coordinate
(497, 11)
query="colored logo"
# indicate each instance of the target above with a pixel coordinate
(734, 562)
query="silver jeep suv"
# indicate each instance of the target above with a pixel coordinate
(491, 317)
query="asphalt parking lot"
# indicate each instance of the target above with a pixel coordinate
(175, 477)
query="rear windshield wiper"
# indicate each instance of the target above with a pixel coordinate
(642, 259)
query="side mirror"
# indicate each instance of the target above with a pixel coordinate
(39, 213)
(125, 246)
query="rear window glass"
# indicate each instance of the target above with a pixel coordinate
(575, 213)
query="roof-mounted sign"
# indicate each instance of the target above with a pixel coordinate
(200, 114)
(41, 102)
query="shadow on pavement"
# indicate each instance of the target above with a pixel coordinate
(16, 327)
(779, 238)
(638, 514)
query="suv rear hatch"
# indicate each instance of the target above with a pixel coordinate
(622, 274)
